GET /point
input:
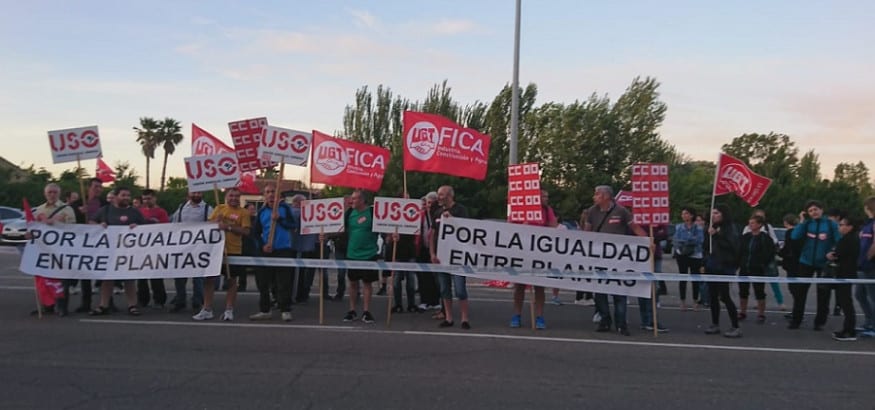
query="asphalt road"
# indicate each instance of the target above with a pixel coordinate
(166, 361)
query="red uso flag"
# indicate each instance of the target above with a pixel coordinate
(435, 144)
(734, 176)
(341, 162)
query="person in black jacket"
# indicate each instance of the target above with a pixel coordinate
(757, 252)
(845, 256)
(723, 252)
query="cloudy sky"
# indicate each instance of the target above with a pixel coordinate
(726, 68)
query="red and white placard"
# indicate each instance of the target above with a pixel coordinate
(246, 135)
(212, 171)
(524, 194)
(74, 144)
(650, 194)
(282, 144)
(322, 215)
(402, 214)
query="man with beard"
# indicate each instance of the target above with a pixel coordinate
(234, 221)
(119, 212)
(193, 210)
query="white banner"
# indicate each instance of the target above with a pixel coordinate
(322, 216)
(212, 171)
(402, 214)
(74, 144)
(490, 244)
(282, 144)
(181, 250)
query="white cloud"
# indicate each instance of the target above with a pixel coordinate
(364, 19)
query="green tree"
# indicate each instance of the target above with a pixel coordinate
(168, 136)
(147, 136)
(855, 175)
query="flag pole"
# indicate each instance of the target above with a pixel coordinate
(713, 199)
(81, 183)
(39, 306)
(276, 201)
(391, 283)
(653, 284)
(224, 250)
(322, 276)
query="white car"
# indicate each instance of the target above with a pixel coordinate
(9, 217)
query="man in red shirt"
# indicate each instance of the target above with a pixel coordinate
(153, 214)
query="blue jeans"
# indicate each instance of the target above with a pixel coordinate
(645, 306)
(865, 295)
(604, 309)
(447, 282)
(197, 291)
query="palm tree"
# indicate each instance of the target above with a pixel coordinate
(169, 136)
(147, 134)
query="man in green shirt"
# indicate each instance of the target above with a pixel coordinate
(361, 246)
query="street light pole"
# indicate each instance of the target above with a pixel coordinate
(515, 92)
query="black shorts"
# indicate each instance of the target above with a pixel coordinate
(236, 270)
(364, 275)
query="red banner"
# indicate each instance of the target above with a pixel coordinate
(204, 143)
(104, 172)
(435, 144)
(246, 135)
(650, 194)
(734, 176)
(524, 194)
(341, 162)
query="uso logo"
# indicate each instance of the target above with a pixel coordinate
(284, 141)
(320, 211)
(210, 167)
(394, 211)
(71, 141)
(330, 158)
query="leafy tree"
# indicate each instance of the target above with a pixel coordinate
(147, 137)
(854, 175)
(168, 136)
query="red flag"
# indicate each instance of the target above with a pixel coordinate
(734, 176)
(624, 199)
(341, 162)
(435, 144)
(47, 289)
(246, 135)
(204, 143)
(104, 172)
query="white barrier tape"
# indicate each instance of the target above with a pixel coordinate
(554, 273)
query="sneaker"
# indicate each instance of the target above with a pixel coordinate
(287, 316)
(423, 306)
(117, 291)
(74, 291)
(515, 321)
(466, 325)
(623, 331)
(260, 316)
(556, 301)
(868, 333)
(712, 330)
(540, 324)
(434, 307)
(367, 317)
(596, 317)
(844, 337)
(350, 316)
(733, 333)
(603, 327)
(659, 328)
(228, 316)
(203, 315)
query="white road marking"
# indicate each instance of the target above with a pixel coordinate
(487, 336)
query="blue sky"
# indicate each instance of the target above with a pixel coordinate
(726, 68)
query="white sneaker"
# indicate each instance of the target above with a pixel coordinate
(74, 290)
(423, 306)
(203, 315)
(596, 317)
(287, 316)
(260, 316)
(228, 315)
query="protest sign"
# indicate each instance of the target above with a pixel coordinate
(476, 243)
(322, 216)
(282, 144)
(120, 252)
(212, 171)
(650, 194)
(524, 194)
(74, 144)
(246, 135)
(403, 215)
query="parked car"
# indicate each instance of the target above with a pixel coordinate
(8, 216)
(13, 232)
